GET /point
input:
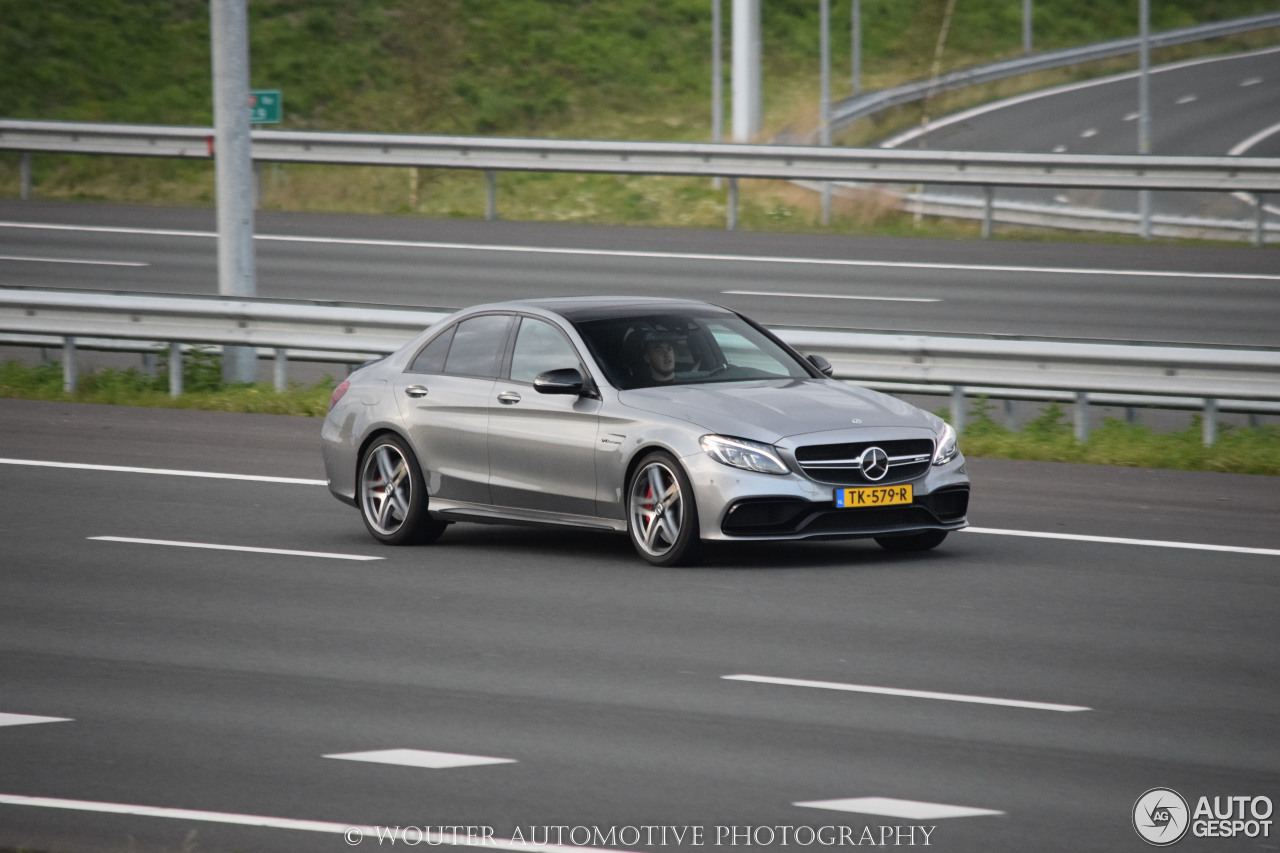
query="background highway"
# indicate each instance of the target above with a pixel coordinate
(219, 680)
(1149, 293)
(1215, 106)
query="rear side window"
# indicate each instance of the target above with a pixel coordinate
(431, 358)
(478, 346)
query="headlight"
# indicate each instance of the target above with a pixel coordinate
(740, 453)
(947, 448)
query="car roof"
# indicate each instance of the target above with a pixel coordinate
(581, 308)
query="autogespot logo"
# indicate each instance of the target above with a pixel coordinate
(1160, 816)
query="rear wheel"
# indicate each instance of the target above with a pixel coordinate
(661, 516)
(392, 496)
(922, 541)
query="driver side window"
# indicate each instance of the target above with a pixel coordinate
(540, 347)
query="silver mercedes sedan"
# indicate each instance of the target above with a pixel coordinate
(675, 421)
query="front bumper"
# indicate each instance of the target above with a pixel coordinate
(738, 505)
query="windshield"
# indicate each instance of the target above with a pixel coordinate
(644, 351)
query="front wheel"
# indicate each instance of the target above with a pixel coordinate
(662, 517)
(922, 541)
(393, 497)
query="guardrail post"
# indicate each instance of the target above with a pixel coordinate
(1010, 417)
(175, 370)
(149, 364)
(490, 196)
(988, 211)
(732, 213)
(957, 408)
(25, 170)
(1259, 221)
(282, 368)
(70, 374)
(1209, 423)
(1082, 416)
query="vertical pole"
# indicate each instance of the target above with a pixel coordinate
(988, 211)
(70, 372)
(281, 369)
(490, 195)
(856, 35)
(746, 69)
(25, 171)
(1209, 425)
(413, 189)
(717, 77)
(1144, 109)
(1010, 416)
(1259, 221)
(733, 205)
(175, 369)
(1026, 26)
(233, 166)
(1082, 416)
(1131, 414)
(957, 408)
(257, 185)
(824, 123)
(149, 364)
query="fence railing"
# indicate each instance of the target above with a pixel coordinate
(732, 161)
(1217, 378)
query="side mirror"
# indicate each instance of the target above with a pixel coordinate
(821, 363)
(566, 380)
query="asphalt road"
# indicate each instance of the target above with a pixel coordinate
(218, 681)
(1215, 106)
(1141, 293)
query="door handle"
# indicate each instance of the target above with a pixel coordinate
(416, 391)
(508, 397)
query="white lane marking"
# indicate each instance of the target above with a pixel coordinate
(1062, 198)
(827, 296)
(421, 758)
(910, 694)
(1186, 99)
(210, 547)
(679, 256)
(1120, 540)
(74, 261)
(891, 807)
(954, 118)
(1059, 149)
(352, 832)
(1131, 116)
(1241, 147)
(171, 472)
(1088, 132)
(1250, 81)
(29, 719)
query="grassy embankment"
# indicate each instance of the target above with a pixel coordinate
(1047, 438)
(617, 69)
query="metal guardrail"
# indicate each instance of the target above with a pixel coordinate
(1238, 379)
(849, 110)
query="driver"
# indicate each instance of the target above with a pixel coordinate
(659, 354)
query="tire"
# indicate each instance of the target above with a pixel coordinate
(392, 496)
(922, 541)
(662, 518)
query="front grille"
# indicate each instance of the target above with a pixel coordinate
(944, 509)
(841, 464)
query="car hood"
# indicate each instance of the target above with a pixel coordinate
(769, 411)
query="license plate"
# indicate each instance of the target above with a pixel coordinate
(873, 496)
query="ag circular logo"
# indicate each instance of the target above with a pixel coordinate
(1161, 817)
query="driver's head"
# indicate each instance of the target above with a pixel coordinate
(660, 355)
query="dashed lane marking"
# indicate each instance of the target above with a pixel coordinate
(29, 719)
(1120, 540)
(171, 472)
(421, 758)
(891, 807)
(244, 548)
(911, 694)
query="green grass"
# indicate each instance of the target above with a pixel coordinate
(1048, 438)
(203, 390)
(614, 69)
